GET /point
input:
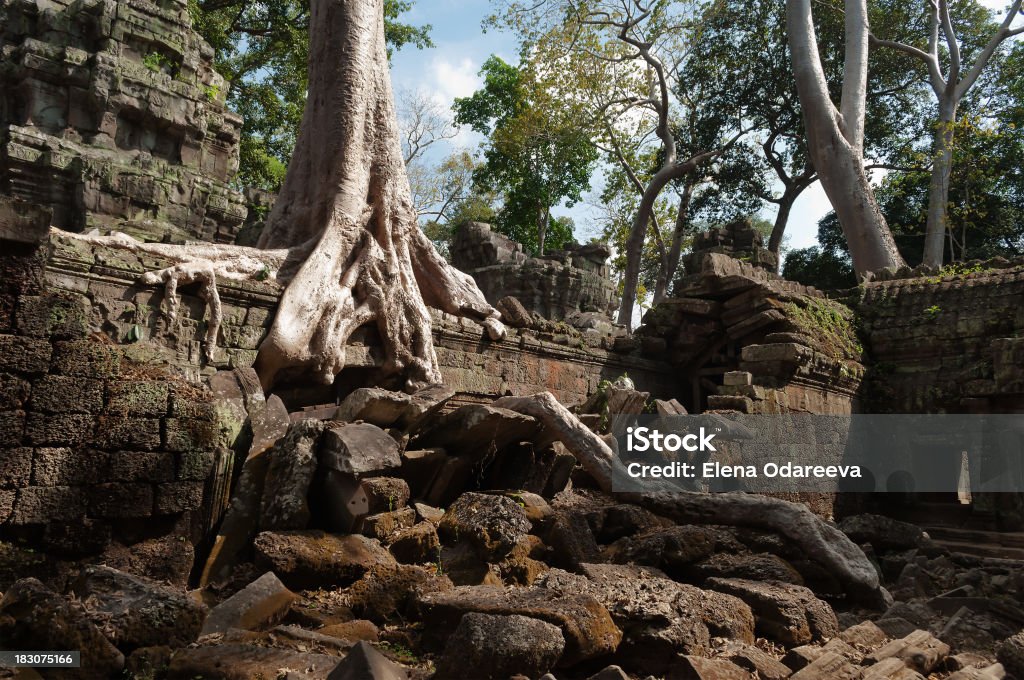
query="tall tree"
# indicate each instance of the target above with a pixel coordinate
(537, 152)
(950, 77)
(262, 49)
(622, 59)
(342, 236)
(835, 134)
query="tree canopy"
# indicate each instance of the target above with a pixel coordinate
(536, 154)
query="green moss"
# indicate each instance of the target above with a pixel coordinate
(831, 323)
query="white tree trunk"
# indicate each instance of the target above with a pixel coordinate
(347, 191)
(938, 193)
(835, 137)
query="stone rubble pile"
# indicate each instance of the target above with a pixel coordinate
(395, 540)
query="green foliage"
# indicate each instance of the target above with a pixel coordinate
(262, 49)
(820, 268)
(159, 63)
(536, 155)
(932, 313)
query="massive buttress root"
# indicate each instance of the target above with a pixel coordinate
(342, 235)
(347, 194)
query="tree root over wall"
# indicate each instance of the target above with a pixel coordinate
(822, 542)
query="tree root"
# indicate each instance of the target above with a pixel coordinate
(820, 541)
(201, 263)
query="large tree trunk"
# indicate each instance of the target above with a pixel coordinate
(347, 195)
(786, 202)
(342, 235)
(938, 194)
(835, 137)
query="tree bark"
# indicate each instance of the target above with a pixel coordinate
(347, 195)
(638, 230)
(786, 202)
(670, 263)
(938, 193)
(342, 236)
(835, 136)
(543, 217)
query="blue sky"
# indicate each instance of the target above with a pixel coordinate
(450, 69)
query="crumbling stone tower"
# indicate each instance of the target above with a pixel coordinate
(112, 116)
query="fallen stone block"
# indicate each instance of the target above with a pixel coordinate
(373, 405)
(364, 662)
(476, 431)
(992, 672)
(416, 545)
(661, 618)
(700, 668)
(429, 513)
(587, 627)
(784, 612)
(385, 494)
(890, 669)
(492, 524)
(33, 617)
(828, 666)
(865, 636)
(571, 541)
(261, 604)
(353, 631)
(136, 612)
(360, 450)
(314, 559)
(384, 524)
(246, 662)
(496, 647)
(386, 592)
(920, 651)
(293, 462)
(756, 661)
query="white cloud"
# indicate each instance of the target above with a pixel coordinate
(451, 78)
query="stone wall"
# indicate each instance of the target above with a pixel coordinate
(558, 358)
(100, 455)
(945, 344)
(561, 284)
(742, 338)
(112, 116)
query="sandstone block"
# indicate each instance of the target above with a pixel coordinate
(587, 627)
(313, 559)
(497, 647)
(137, 612)
(262, 603)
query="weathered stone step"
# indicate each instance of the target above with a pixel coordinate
(982, 549)
(1007, 539)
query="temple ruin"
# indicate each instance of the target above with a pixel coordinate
(165, 516)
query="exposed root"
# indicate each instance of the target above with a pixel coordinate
(822, 542)
(199, 263)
